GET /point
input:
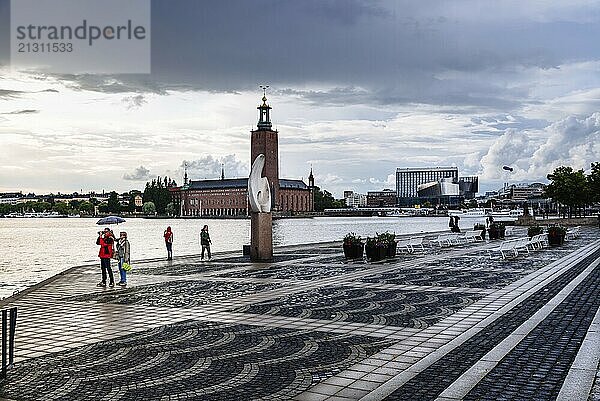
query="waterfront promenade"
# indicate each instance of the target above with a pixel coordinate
(447, 324)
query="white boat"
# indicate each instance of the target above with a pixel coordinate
(397, 213)
(470, 213)
(507, 214)
(40, 214)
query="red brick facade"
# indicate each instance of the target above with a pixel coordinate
(229, 197)
(267, 143)
(295, 200)
(215, 201)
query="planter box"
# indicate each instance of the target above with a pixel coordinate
(556, 240)
(391, 251)
(353, 251)
(496, 233)
(376, 253)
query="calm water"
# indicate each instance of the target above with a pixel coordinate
(35, 249)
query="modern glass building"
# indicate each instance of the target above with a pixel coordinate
(409, 179)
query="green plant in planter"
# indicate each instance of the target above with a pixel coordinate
(377, 248)
(388, 240)
(352, 239)
(534, 230)
(353, 246)
(373, 249)
(556, 235)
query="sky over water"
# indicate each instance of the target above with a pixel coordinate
(358, 88)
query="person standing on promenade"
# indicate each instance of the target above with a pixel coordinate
(205, 242)
(455, 228)
(124, 256)
(106, 241)
(169, 242)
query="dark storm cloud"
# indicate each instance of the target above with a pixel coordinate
(456, 53)
(398, 51)
(4, 32)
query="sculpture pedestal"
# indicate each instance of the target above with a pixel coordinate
(261, 237)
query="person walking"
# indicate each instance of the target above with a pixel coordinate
(123, 255)
(106, 241)
(169, 242)
(205, 241)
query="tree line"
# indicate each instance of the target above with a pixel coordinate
(573, 188)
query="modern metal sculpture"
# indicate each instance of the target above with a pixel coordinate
(261, 221)
(259, 191)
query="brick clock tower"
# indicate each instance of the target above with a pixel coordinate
(265, 140)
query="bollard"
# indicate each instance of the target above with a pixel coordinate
(11, 336)
(4, 321)
(7, 334)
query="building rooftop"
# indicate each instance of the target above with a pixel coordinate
(410, 169)
(290, 184)
(219, 184)
(242, 183)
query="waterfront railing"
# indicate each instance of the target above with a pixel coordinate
(9, 324)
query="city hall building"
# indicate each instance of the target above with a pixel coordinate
(229, 197)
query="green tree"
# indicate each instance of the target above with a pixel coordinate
(325, 200)
(568, 187)
(62, 208)
(149, 208)
(113, 203)
(157, 192)
(40, 206)
(75, 204)
(170, 209)
(6, 208)
(103, 208)
(593, 183)
(86, 207)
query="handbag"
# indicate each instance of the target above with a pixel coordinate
(126, 266)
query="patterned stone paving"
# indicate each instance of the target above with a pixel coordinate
(428, 384)
(308, 271)
(194, 361)
(595, 393)
(309, 326)
(177, 294)
(443, 277)
(539, 364)
(391, 307)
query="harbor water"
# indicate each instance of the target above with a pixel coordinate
(34, 249)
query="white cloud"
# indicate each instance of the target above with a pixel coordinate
(141, 173)
(209, 166)
(571, 141)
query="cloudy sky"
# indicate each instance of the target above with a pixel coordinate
(358, 88)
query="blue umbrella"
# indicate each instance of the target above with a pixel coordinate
(110, 220)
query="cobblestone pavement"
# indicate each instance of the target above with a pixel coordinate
(448, 324)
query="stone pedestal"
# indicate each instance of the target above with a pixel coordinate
(261, 237)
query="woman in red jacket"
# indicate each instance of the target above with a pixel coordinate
(106, 241)
(168, 234)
